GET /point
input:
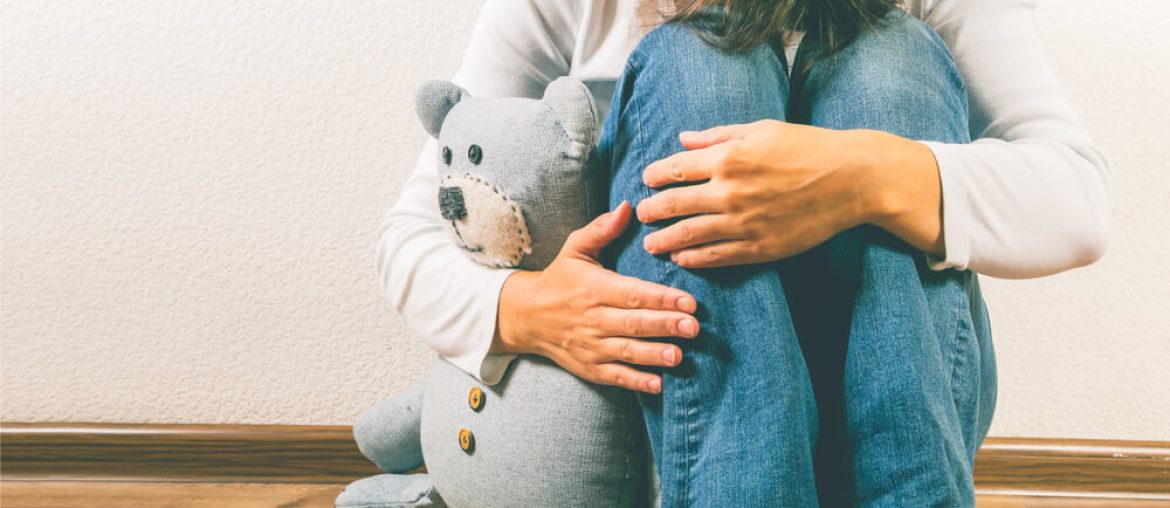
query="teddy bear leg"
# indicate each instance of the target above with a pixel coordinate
(388, 433)
(391, 491)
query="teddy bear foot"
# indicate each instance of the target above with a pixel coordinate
(391, 491)
(388, 433)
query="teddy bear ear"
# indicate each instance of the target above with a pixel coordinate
(573, 105)
(434, 100)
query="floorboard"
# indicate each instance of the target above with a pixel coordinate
(92, 494)
(110, 494)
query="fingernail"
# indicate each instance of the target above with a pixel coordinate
(685, 304)
(655, 385)
(668, 355)
(648, 244)
(686, 327)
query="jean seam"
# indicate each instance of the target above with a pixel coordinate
(643, 192)
(964, 339)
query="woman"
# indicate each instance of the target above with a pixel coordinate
(805, 234)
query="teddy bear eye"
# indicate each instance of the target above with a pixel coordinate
(447, 155)
(475, 153)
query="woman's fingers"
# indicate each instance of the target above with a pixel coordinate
(693, 140)
(679, 202)
(689, 232)
(681, 167)
(639, 352)
(609, 373)
(613, 322)
(626, 377)
(633, 293)
(735, 252)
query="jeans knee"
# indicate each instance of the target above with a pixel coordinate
(906, 70)
(900, 43)
(686, 67)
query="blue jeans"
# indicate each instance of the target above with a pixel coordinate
(851, 374)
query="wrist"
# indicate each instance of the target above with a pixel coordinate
(901, 189)
(871, 160)
(510, 336)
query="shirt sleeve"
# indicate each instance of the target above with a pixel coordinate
(1030, 196)
(516, 49)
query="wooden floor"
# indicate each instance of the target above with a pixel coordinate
(38, 494)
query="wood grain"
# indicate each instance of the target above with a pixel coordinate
(1074, 466)
(103, 494)
(239, 453)
(1006, 467)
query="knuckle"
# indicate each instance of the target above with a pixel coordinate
(633, 297)
(728, 161)
(728, 197)
(736, 160)
(668, 327)
(631, 324)
(685, 233)
(589, 290)
(667, 203)
(590, 374)
(588, 320)
(624, 352)
(723, 165)
(568, 341)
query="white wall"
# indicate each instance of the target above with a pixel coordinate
(190, 192)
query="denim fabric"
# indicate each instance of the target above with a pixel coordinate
(849, 375)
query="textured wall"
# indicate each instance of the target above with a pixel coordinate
(190, 192)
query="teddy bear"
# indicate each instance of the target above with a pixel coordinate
(516, 176)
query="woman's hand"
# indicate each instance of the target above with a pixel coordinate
(588, 319)
(772, 189)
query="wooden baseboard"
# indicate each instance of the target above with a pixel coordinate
(206, 453)
(1071, 467)
(327, 454)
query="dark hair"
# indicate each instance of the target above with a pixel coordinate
(749, 23)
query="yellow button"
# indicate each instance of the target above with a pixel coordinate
(466, 440)
(475, 398)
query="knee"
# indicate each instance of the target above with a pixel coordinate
(893, 77)
(677, 59)
(903, 47)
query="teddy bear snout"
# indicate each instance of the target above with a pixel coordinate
(451, 203)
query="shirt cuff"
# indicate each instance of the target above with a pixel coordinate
(488, 368)
(955, 212)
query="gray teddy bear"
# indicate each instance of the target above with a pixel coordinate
(517, 175)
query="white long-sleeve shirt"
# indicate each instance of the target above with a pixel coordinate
(1029, 197)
